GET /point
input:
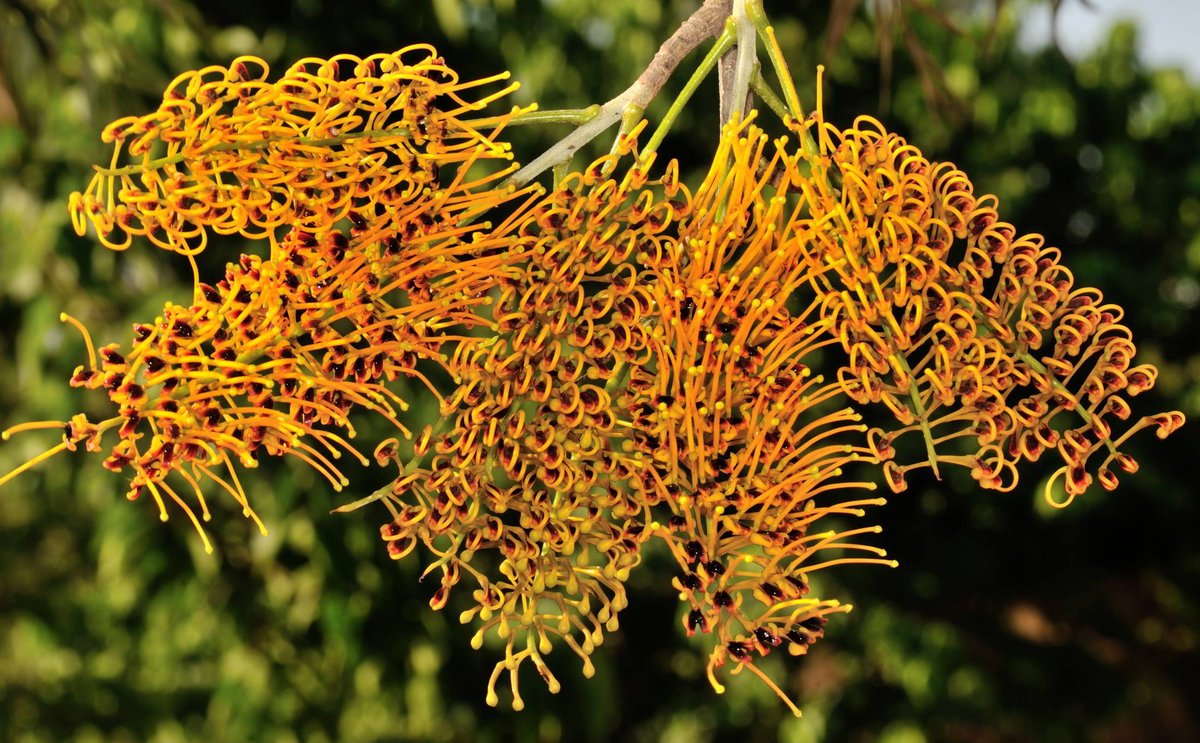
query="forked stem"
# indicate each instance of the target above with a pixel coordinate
(763, 90)
(704, 24)
(724, 43)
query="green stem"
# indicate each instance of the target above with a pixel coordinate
(617, 380)
(573, 116)
(560, 171)
(379, 494)
(411, 466)
(724, 43)
(763, 90)
(919, 407)
(758, 18)
(1056, 385)
(629, 119)
(1060, 388)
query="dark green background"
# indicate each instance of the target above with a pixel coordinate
(1005, 622)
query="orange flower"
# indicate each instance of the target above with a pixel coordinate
(652, 379)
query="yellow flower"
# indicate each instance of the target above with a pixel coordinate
(753, 449)
(646, 381)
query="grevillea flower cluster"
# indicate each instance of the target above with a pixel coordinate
(634, 366)
(970, 334)
(230, 152)
(273, 358)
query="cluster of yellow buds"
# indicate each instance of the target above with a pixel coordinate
(632, 364)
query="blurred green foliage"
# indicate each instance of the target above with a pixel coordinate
(1005, 622)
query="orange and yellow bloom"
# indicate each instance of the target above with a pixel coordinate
(634, 365)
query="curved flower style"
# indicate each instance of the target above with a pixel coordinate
(634, 366)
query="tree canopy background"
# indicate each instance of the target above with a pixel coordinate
(1006, 621)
